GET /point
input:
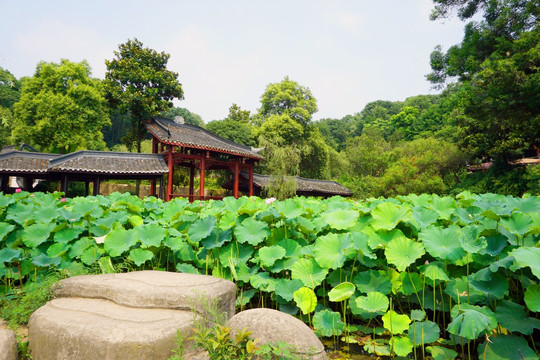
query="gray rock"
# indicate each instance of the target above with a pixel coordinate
(150, 289)
(96, 329)
(8, 345)
(272, 326)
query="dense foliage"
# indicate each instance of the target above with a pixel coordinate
(429, 274)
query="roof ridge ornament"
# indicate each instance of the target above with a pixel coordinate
(179, 119)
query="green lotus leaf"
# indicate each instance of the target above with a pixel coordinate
(67, 234)
(506, 347)
(78, 247)
(341, 292)
(150, 234)
(305, 299)
(217, 239)
(374, 302)
(289, 208)
(532, 297)
(524, 205)
(424, 332)
(441, 353)
(187, 268)
(7, 254)
(378, 347)
(135, 220)
(424, 216)
(528, 256)
(119, 241)
(372, 280)
(251, 231)
(442, 243)
(292, 248)
(201, 229)
(470, 240)
(461, 286)
(381, 238)
(241, 252)
(471, 321)
(445, 206)
(402, 252)
(84, 206)
(328, 323)
(387, 215)
(517, 224)
(140, 256)
(340, 219)
(250, 207)
(269, 254)
(57, 250)
(91, 254)
(395, 323)
(46, 214)
(496, 286)
(307, 271)
(359, 241)
(20, 213)
(43, 260)
(36, 234)
(263, 281)
(434, 271)
(106, 266)
(418, 315)
(329, 250)
(411, 283)
(495, 244)
(512, 317)
(285, 288)
(5, 229)
(402, 346)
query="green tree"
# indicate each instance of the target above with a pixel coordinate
(237, 114)
(282, 162)
(138, 83)
(61, 109)
(239, 132)
(189, 117)
(5, 126)
(10, 89)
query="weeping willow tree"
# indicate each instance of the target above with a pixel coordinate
(282, 163)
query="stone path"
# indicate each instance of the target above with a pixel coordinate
(122, 316)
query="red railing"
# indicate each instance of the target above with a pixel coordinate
(192, 198)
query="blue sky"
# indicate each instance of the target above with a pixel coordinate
(348, 52)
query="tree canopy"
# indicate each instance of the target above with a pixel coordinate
(10, 89)
(61, 109)
(189, 117)
(138, 83)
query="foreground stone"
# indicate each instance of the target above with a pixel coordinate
(272, 326)
(8, 345)
(122, 316)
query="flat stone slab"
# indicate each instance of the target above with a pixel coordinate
(8, 345)
(96, 329)
(272, 326)
(150, 289)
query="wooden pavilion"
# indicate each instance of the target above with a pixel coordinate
(195, 148)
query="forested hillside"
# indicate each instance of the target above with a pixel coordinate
(487, 109)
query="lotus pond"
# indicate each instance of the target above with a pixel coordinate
(414, 276)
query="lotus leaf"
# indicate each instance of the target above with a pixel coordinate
(470, 240)
(307, 271)
(528, 256)
(187, 268)
(201, 229)
(340, 219)
(402, 252)
(395, 323)
(151, 235)
(328, 323)
(285, 288)
(434, 271)
(497, 286)
(135, 220)
(67, 234)
(292, 248)
(341, 292)
(411, 283)
(269, 254)
(445, 206)
(57, 250)
(217, 239)
(236, 251)
(424, 332)
(372, 280)
(418, 315)
(46, 214)
(106, 266)
(263, 281)
(5, 229)
(424, 216)
(512, 317)
(78, 247)
(43, 260)
(289, 208)
(305, 299)
(506, 347)
(36, 234)
(20, 213)
(532, 297)
(90, 255)
(377, 347)
(251, 231)
(374, 302)
(329, 250)
(402, 346)
(441, 353)
(140, 256)
(7, 254)
(119, 241)
(471, 321)
(387, 215)
(442, 243)
(517, 224)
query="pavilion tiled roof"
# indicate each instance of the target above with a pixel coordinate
(105, 162)
(169, 132)
(25, 162)
(303, 185)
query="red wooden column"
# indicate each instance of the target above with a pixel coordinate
(191, 182)
(202, 174)
(236, 179)
(250, 180)
(170, 163)
(153, 181)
